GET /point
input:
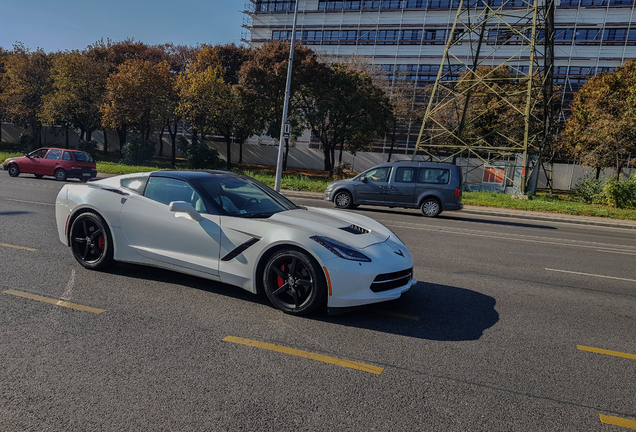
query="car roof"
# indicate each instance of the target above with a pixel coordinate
(194, 175)
(414, 163)
(58, 148)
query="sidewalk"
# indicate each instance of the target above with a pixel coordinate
(511, 213)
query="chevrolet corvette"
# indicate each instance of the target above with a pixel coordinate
(230, 228)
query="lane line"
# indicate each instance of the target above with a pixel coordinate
(18, 247)
(29, 202)
(495, 237)
(396, 314)
(617, 252)
(590, 274)
(606, 352)
(617, 421)
(306, 354)
(54, 301)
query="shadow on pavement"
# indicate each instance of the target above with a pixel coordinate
(428, 311)
(476, 219)
(14, 213)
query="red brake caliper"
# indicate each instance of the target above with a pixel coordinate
(280, 279)
(100, 242)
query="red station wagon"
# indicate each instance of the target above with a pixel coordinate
(60, 163)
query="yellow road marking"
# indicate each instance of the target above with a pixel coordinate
(18, 247)
(396, 314)
(617, 421)
(305, 354)
(608, 352)
(54, 301)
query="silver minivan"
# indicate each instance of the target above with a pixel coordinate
(430, 186)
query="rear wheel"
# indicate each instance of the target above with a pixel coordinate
(60, 174)
(343, 199)
(38, 175)
(14, 171)
(294, 282)
(431, 207)
(83, 179)
(91, 242)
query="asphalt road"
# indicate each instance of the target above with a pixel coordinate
(502, 333)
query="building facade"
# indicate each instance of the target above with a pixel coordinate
(408, 37)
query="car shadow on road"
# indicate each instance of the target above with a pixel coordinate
(428, 311)
(14, 213)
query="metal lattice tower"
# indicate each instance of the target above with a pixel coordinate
(493, 96)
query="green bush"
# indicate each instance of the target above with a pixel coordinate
(588, 190)
(620, 194)
(136, 152)
(198, 154)
(89, 147)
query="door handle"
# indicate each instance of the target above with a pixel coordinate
(392, 187)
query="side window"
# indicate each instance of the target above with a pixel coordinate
(434, 175)
(54, 154)
(82, 157)
(136, 184)
(67, 156)
(166, 190)
(378, 174)
(405, 175)
(39, 153)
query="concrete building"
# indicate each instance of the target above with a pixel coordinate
(591, 36)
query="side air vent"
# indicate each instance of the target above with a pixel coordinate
(355, 229)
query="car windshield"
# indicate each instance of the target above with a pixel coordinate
(243, 197)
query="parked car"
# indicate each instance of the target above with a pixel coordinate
(430, 186)
(230, 228)
(56, 162)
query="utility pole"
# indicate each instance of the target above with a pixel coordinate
(284, 131)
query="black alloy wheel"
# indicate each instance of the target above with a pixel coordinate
(91, 242)
(14, 171)
(431, 207)
(294, 282)
(343, 199)
(60, 174)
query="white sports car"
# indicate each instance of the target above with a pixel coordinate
(230, 228)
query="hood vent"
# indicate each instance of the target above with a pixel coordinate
(355, 229)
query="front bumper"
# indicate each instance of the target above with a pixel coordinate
(357, 283)
(5, 166)
(328, 195)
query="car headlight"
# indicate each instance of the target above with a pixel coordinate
(341, 249)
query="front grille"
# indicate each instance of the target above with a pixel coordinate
(388, 281)
(355, 229)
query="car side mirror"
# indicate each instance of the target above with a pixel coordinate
(27, 155)
(186, 209)
(363, 179)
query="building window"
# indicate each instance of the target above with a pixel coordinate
(275, 5)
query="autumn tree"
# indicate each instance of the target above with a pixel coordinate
(26, 82)
(3, 57)
(602, 128)
(343, 106)
(137, 97)
(78, 83)
(264, 78)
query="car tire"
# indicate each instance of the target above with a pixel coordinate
(14, 170)
(431, 207)
(60, 174)
(91, 241)
(38, 176)
(343, 199)
(83, 179)
(294, 282)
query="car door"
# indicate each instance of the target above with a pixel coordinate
(401, 190)
(51, 162)
(31, 163)
(436, 181)
(373, 188)
(159, 234)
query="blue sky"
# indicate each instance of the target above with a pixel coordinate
(73, 24)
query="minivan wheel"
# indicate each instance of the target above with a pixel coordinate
(431, 207)
(60, 174)
(343, 199)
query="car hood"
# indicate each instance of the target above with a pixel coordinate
(349, 228)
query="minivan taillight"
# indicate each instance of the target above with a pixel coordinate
(457, 192)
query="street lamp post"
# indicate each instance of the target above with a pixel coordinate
(283, 131)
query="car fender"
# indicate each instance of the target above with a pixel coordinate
(347, 188)
(430, 193)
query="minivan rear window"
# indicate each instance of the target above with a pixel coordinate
(434, 175)
(82, 157)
